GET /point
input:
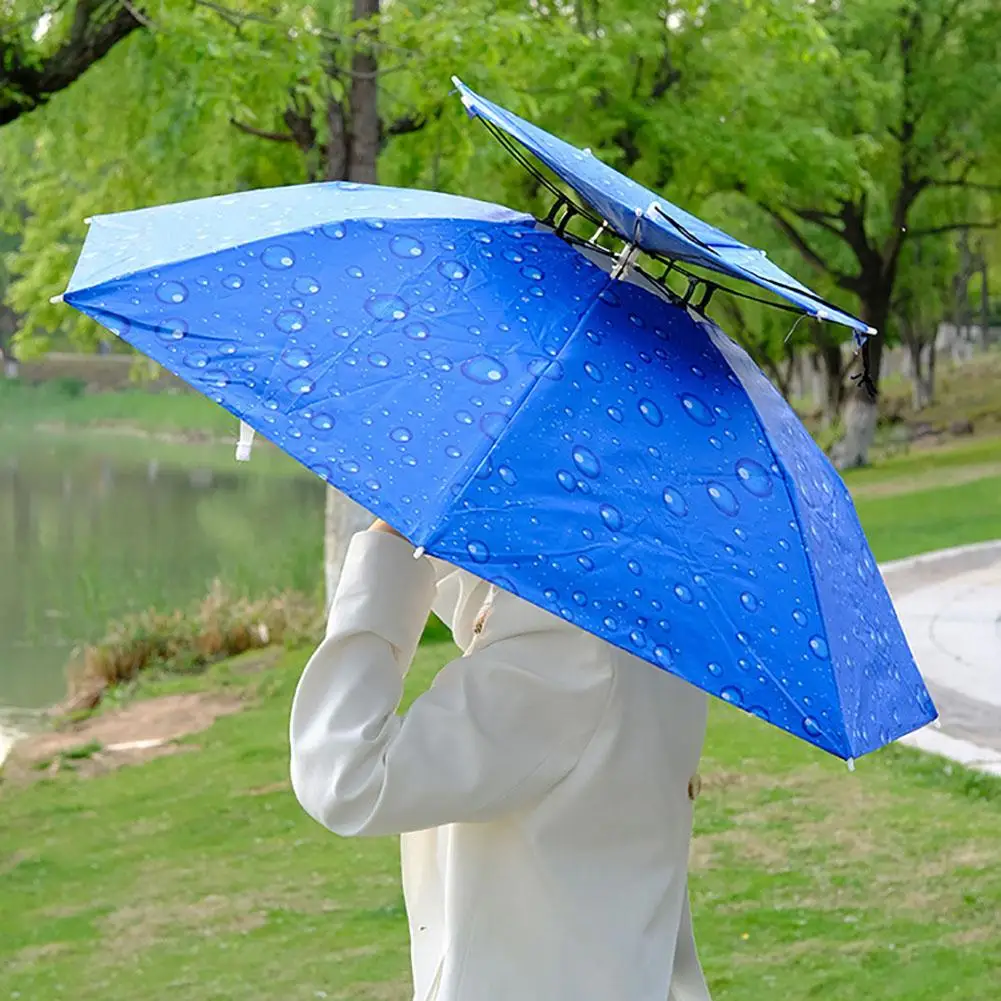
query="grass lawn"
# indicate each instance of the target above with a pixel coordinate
(53, 403)
(198, 873)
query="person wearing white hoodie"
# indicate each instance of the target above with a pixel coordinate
(543, 786)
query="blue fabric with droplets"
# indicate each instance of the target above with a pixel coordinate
(669, 230)
(497, 397)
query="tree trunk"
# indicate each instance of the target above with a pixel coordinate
(922, 358)
(862, 413)
(343, 518)
(829, 355)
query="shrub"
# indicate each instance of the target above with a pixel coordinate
(219, 626)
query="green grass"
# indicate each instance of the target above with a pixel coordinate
(60, 402)
(924, 520)
(923, 462)
(198, 873)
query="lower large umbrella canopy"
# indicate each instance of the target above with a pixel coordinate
(496, 395)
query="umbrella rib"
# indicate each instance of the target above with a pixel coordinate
(434, 532)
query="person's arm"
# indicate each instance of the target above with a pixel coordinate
(496, 730)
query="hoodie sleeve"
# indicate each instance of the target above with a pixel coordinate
(496, 730)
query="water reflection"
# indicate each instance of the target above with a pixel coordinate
(86, 536)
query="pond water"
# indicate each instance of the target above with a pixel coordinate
(92, 528)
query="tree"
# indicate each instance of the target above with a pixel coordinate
(921, 300)
(255, 96)
(911, 114)
(43, 51)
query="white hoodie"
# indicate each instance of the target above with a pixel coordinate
(542, 785)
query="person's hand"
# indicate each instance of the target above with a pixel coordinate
(381, 526)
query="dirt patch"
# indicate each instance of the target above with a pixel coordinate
(131, 735)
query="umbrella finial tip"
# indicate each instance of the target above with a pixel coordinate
(55, 300)
(88, 220)
(851, 764)
(419, 552)
(871, 331)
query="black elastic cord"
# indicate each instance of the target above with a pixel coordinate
(565, 221)
(706, 296)
(864, 378)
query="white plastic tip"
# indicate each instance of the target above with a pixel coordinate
(871, 331)
(587, 151)
(245, 444)
(56, 299)
(88, 220)
(652, 208)
(937, 723)
(418, 552)
(822, 314)
(851, 764)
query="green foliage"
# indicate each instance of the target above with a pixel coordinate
(727, 107)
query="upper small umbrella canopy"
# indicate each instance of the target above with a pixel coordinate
(506, 402)
(648, 220)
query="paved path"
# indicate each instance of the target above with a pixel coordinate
(950, 607)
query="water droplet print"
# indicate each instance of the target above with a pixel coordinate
(172, 330)
(197, 359)
(291, 321)
(305, 285)
(714, 669)
(611, 516)
(401, 435)
(818, 647)
(586, 461)
(697, 410)
(799, 617)
(675, 502)
(546, 368)
(811, 726)
(593, 372)
(322, 422)
(732, 694)
(753, 477)
(406, 247)
(723, 498)
(493, 424)
(278, 258)
(296, 358)
(232, 282)
(386, 307)
(750, 601)
(650, 412)
(171, 292)
(484, 369)
(452, 270)
(507, 475)
(478, 551)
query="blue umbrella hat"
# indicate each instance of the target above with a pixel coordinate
(535, 411)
